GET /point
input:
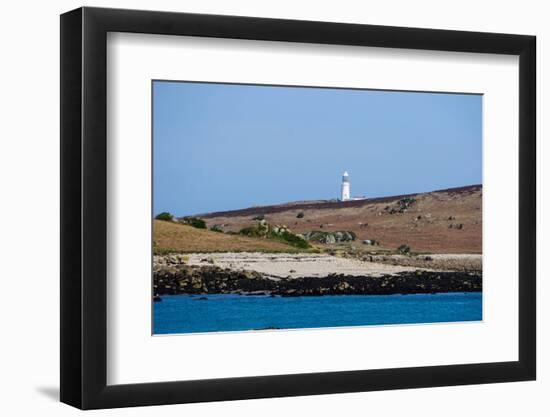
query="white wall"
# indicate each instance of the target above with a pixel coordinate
(29, 219)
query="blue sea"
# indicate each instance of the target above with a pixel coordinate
(225, 312)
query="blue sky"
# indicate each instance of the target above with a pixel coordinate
(222, 146)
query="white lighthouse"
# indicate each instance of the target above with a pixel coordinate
(345, 187)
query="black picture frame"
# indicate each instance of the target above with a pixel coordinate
(84, 207)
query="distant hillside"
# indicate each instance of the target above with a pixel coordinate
(443, 221)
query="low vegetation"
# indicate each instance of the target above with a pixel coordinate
(280, 233)
(165, 216)
(195, 222)
(217, 228)
(173, 237)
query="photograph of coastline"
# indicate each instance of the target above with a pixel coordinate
(278, 207)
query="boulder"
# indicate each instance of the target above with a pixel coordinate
(330, 237)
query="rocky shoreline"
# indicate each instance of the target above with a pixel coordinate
(211, 279)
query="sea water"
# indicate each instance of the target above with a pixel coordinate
(222, 313)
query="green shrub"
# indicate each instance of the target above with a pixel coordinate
(300, 215)
(252, 231)
(280, 233)
(195, 222)
(293, 240)
(217, 228)
(164, 216)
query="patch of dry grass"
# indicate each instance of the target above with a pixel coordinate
(175, 237)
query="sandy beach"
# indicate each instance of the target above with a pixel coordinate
(291, 265)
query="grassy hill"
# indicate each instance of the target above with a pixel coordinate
(444, 221)
(175, 237)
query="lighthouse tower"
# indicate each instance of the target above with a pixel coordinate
(345, 187)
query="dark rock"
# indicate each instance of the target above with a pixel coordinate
(210, 279)
(330, 237)
(401, 206)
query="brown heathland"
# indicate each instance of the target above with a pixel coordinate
(176, 237)
(446, 221)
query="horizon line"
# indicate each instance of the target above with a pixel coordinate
(329, 201)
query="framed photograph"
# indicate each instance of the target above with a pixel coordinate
(258, 208)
